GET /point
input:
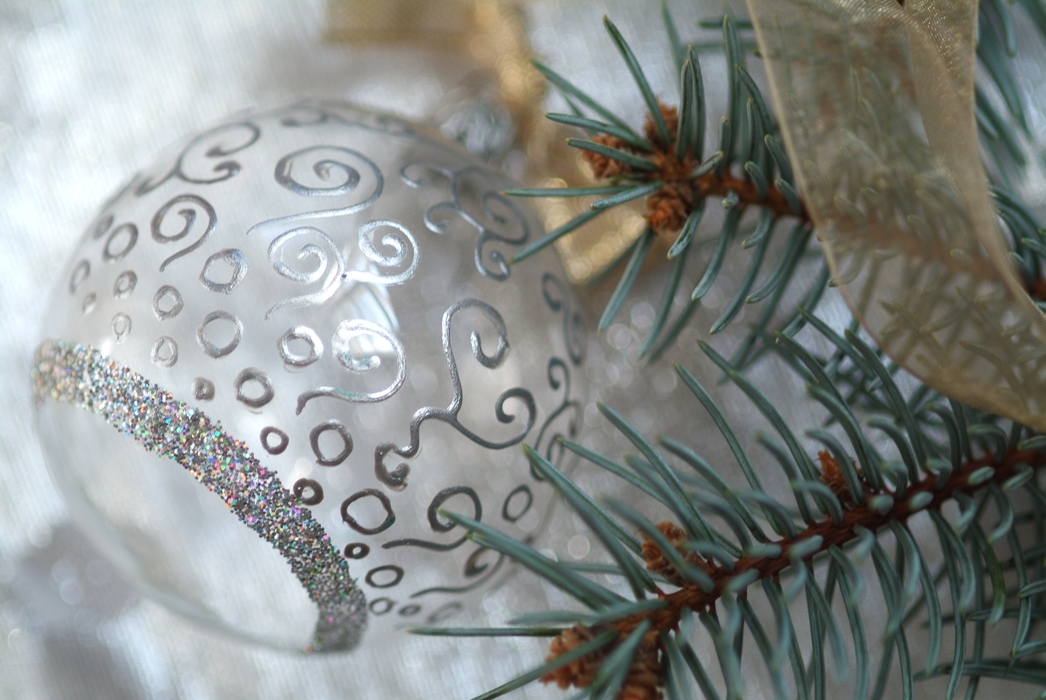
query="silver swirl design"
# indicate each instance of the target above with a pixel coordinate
(397, 478)
(438, 525)
(324, 169)
(473, 568)
(327, 269)
(313, 112)
(188, 214)
(215, 144)
(341, 347)
(399, 240)
(553, 443)
(555, 293)
(495, 220)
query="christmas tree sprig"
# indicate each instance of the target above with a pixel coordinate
(853, 502)
(665, 164)
(894, 479)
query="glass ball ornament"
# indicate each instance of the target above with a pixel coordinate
(281, 352)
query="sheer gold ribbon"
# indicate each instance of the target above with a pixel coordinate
(876, 106)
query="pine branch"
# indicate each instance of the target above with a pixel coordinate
(818, 539)
(663, 165)
(926, 451)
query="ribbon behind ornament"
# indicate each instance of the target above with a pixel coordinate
(876, 103)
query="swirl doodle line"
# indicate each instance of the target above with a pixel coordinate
(347, 330)
(397, 478)
(323, 113)
(399, 253)
(223, 170)
(555, 293)
(322, 169)
(486, 233)
(472, 568)
(329, 273)
(444, 612)
(438, 526)
(555, 382)
(189, 215)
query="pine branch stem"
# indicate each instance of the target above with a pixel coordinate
(818, 538)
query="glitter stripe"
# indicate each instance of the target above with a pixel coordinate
(82, 376)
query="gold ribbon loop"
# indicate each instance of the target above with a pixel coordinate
(876, 106)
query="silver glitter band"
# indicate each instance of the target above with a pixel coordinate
(82, 376)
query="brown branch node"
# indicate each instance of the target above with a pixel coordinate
(668, 208)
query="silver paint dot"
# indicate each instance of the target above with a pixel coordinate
(208, 343)
(80, 273)
(346, 443)
(121, 326)
(125, 236)
(385, 576)
(165, 351)
(90, 302)
(102, 226)
(232, 258)
(124, 284)
(202, 389)
(302, 334)
(281, 440)
(167, 303)
(248, 379)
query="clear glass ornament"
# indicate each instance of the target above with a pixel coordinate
(310, 310)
